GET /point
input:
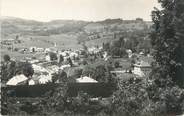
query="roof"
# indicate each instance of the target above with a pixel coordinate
(38, 68)
(17, 79)
(142, 64)
(86, 80)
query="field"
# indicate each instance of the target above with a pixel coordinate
(63, 41)
(99, 42)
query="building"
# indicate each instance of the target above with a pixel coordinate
(51, 56)
(129, 52)
(86, 79)
(142, 69)
(32, 49)
(18, 79)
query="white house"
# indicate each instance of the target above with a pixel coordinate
(17, 80)
(129, 52)
(47, 50)
(31, 82)
(48, 58)
(142, 69)
(40, 49)
(86, 79)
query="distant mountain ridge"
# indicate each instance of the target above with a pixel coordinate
(13, 25)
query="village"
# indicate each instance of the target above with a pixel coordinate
(90, 70)
(52, 61)
(92, 58)
(91, 65)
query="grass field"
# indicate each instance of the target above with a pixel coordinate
(63, 41)
(14, 55)
(99, 42)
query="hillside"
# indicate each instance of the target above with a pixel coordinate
(29, 27)
(67, 33)
(12, 25)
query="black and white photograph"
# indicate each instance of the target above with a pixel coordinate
(92, 57)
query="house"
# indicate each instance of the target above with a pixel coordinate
(31, 82)
(47, 50)
(18, 79)
(142, 69)
(38, 69)
(40, 49)
(32, 49)
(86, 79)
(43, 79)
(47, 58)
(129, 52)
(93, 50)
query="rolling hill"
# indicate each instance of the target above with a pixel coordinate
(66, 33)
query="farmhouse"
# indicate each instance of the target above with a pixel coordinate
(142, 69)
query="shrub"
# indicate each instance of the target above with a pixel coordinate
(6, 58)
(116, 64)
(53, 56)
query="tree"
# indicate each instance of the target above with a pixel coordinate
(70, 61)
(6, 58)
(60, 59)
(84, 47)
(53, 56)
(60, 77)
(168, 69)
(17, 37)
(7, 69)
(117, 64)
(13, 68)
(27, 69)
(168, 42)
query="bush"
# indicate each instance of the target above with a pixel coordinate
(84, 62)
(53, 56)
(130, 99)
(99, 72)
(6, 58)
(116, 64)
(13, 68)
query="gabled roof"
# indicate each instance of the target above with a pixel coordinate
(17, 79)
(86, 80)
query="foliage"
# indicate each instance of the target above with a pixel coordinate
(82, 104)
(53, 56)
(60, 60)
(116, 64)
(131, 98)
(10, 69)
(6, 58)
(60, 77)
(99, 72)
(167, 40)
(166, 80)
(166, 100)
(70, 61)
(74, 73)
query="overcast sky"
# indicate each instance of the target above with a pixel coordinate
(91, 10)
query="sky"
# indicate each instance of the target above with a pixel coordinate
(89, 10)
